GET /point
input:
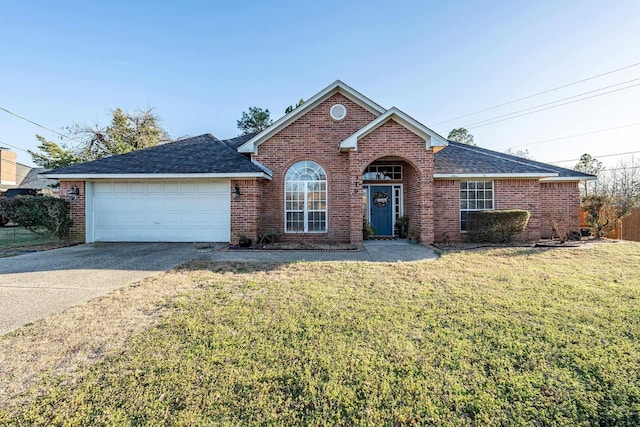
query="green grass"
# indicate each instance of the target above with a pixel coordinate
(494, 337)
(13, 237)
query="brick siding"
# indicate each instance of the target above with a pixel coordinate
(315, 137)
(76, 207)
(559, 204)
(520, 194)
(245, 209)
(447, 210)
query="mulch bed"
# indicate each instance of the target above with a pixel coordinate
(544, 243)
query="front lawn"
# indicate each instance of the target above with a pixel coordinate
(20, 237)
(514, 336)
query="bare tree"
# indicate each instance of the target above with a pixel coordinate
(617, 194)
(591, 165)
(524, 153)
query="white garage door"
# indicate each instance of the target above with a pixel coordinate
(161, 211)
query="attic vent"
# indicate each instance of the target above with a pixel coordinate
(338, 112)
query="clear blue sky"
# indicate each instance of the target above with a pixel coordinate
(201, 64)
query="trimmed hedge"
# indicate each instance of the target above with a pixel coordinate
(496, 226)
(32, 212)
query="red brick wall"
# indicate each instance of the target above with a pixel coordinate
(393, 140)
(315, 137)
(559, 203)
(77, 207)
(520, 194)
(447, 210)
(245, 209)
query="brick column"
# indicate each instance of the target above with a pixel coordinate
(77, 207)
(245, 210)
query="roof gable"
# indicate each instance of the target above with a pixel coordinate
(430, 137)
(251, 146)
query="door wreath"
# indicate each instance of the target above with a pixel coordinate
(381, 199)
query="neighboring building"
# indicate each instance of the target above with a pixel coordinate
(313, 175)
(17, 175)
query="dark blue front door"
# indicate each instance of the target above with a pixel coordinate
(382, 209)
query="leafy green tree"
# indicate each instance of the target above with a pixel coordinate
(461, 135)
(290, 108)
(126, 132)
(53, 156)
(256, 120)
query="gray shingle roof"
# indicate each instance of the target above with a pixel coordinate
(460, 158)
(199, 154)
(208, 154)
(239, 140)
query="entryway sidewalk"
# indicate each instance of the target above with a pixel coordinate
(374, 251)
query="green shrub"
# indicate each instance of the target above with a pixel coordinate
(498, 226)
(368, 230)
(32, 212)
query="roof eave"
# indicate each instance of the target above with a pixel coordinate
(523, 175)
(569, 178)
(338, 86)
(431, 138)
(226, 175)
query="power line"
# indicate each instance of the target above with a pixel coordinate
(547, 108)
(597, 157)
(554, 102)
(539, 93)
(34, 123)
(575, 135)
(13, 146)
(621, 169)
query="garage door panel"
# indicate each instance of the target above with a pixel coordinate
(167, 211)
(120, 187)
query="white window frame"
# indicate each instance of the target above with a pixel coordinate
(305, 192)
(379, 170)
(475, 199)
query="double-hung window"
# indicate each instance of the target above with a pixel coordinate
(305, 198)
(474, 196)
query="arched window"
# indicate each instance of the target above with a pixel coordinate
(305, 198)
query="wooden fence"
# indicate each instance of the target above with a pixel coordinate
(629, 229)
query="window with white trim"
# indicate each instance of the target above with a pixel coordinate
(474, 196)
(305, 198)
(382, 173)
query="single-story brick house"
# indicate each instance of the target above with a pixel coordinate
(313, 175)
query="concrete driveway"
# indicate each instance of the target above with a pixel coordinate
(36, 285)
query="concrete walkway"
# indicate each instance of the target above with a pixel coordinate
(375, 251)
(36, 285)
